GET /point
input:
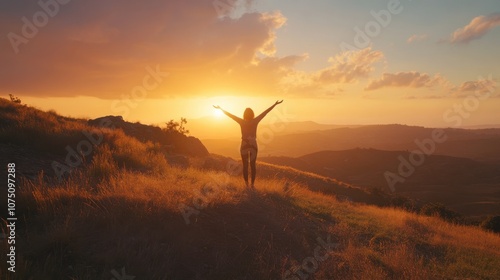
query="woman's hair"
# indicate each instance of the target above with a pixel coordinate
(248, 114)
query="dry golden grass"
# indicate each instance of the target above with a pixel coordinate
(83, 229)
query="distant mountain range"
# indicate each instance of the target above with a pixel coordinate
(223, 128)
(478, 144)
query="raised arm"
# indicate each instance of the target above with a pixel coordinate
(235, 118)
(263, 114)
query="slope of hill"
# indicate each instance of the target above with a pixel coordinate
(465, 185)
(175, 227)
(175, 142)
(38, 144)
(125, 213)
(367, 167)
(59, 144)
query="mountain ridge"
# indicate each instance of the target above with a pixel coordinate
(479, 144)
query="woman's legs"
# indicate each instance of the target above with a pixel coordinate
(248, 151)
(244, 159)
(253, 158)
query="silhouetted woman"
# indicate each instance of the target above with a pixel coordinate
(248, 148)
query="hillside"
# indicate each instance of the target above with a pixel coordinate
(45, 141)
(467, 186)
(366, 167)
(126, 212)
(57, 145)
(133, 221)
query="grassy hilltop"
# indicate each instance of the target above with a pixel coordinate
(125, 212)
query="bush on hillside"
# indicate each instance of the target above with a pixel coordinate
(14, 99)
(492, 223)
(173, 126)
(403, 203)
(439, 210)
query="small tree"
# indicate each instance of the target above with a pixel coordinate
(173, 126)
(14, 99)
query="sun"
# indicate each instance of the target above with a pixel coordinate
(218, 113)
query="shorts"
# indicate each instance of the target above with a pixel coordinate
(249, 145)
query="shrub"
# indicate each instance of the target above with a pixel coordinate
(403, 203)
(14, 99)
(173, 126)
(492, 223)
(439, 210)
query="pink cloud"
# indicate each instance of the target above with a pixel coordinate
(477, 28)
(406, 79)
(101, 48)
(480, 86)
(345, 68)
(416, 38)
(349, 66)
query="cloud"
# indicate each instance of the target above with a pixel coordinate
(102, 48)
(345, 68)
(406, 79)
(349, 66)
(476, 29)
(416, 80)
(416, 38)
(479, 86)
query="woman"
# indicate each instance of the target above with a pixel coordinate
(248, 148)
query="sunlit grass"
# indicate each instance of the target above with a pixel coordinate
(135, 212)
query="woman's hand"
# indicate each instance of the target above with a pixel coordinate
(278, 102)
(217, 107)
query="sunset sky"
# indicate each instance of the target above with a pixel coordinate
(339, 62)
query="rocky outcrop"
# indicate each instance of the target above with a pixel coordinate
(175, 142)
